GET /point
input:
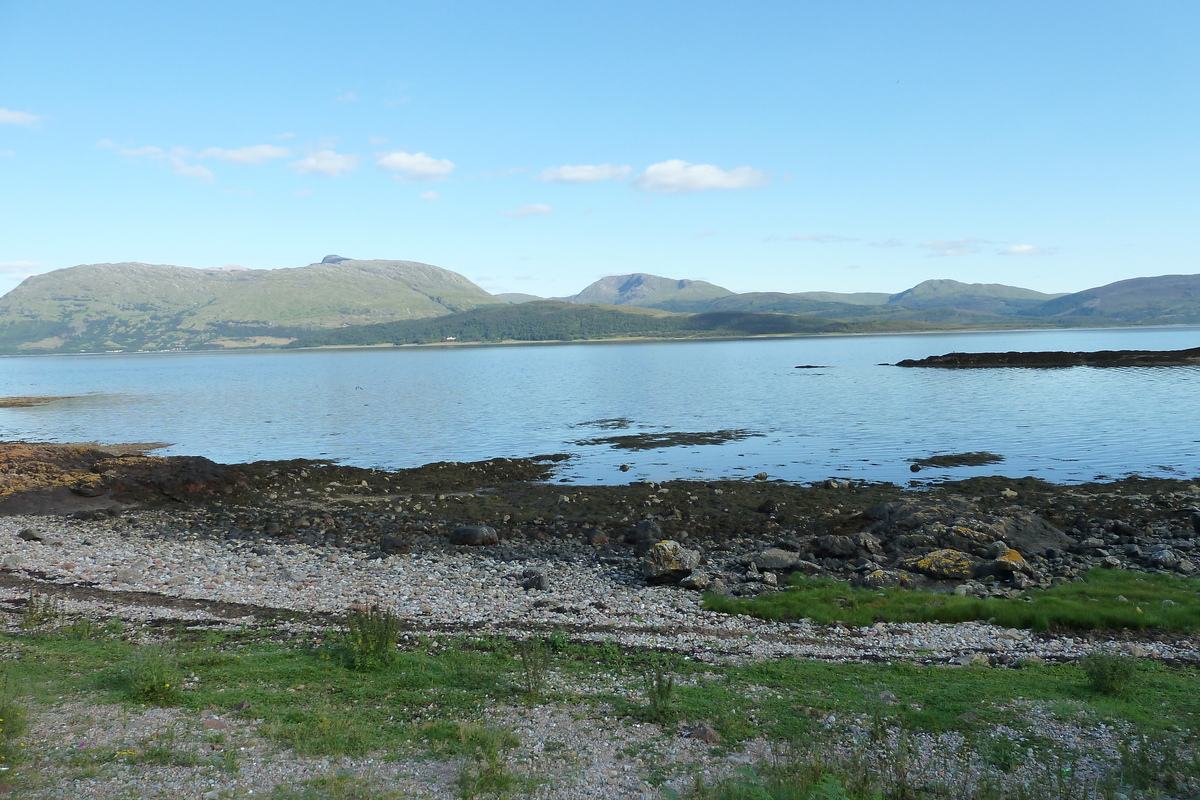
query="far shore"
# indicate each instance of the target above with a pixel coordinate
(610, 340)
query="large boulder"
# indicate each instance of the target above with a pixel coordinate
(1031, 534)
(776, 558)
(643, 536)
(669, 562)
(946, 564)
(475, 535)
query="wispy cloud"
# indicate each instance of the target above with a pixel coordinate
(821, 238)
(346, 97)
(952, 247)
(326, 162)
(302, 193)
(585, 173)
(254, 154)
(415, 166)
(431, 196)
(20, 269)
(1026, 250)
(178, 159)
(533, 210)
(7, 153)
(8, 117)
(887, 243)
(680, 177)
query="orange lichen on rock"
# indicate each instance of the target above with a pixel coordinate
(1012, 561)
(947, 563)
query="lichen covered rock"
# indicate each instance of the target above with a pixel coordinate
(946, 564)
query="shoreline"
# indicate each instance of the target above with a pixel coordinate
(617, 340)
(214, 562)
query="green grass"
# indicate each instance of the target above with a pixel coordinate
(1151, 602)
(310, 698)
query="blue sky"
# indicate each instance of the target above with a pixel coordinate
(537, 146)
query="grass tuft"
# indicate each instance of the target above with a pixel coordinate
(372, 633)
(1110, 673)
(1150, 602)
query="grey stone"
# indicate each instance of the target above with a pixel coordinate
(1164, 559)
(475, 535)
(836, 546)
(669, 562)
(127, 575)
(1032, 535)
(698, 581)
(643, 536)
(533, 579)
(776, 558)
(31, 535)
(392, 545)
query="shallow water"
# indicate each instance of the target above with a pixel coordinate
(853, 418)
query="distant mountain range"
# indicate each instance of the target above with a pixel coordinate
(132, 306)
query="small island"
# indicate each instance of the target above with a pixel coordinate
(1100, 358)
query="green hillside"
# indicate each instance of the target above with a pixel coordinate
(552, 320)
(1162, 300)
(990, 298)
(133, 306)
(651, 291)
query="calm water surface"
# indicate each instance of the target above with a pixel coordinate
(852, 418)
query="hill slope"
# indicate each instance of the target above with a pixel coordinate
(1163, 300)
(148, 306)
(651, 291)
(554, 320)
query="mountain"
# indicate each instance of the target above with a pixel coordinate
(650, 291)
(133, 306)
(1164, 300)
(993, 298)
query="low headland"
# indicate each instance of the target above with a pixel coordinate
(308, 629)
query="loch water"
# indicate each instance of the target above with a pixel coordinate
(854, 417)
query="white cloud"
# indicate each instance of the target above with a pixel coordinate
(952, 247)
(197, 171)
(415, 166)
(325, 162)
(822, 238)
(585, 173)
(533, 210)
(347, 97)
(679, 177)
(887, 243)
(20, 269)
(302, 193)
(1025, 250)
(178, 159)
(431, 197)
(7, 153)
(254, 154)
(18, 117)
(281, 136)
